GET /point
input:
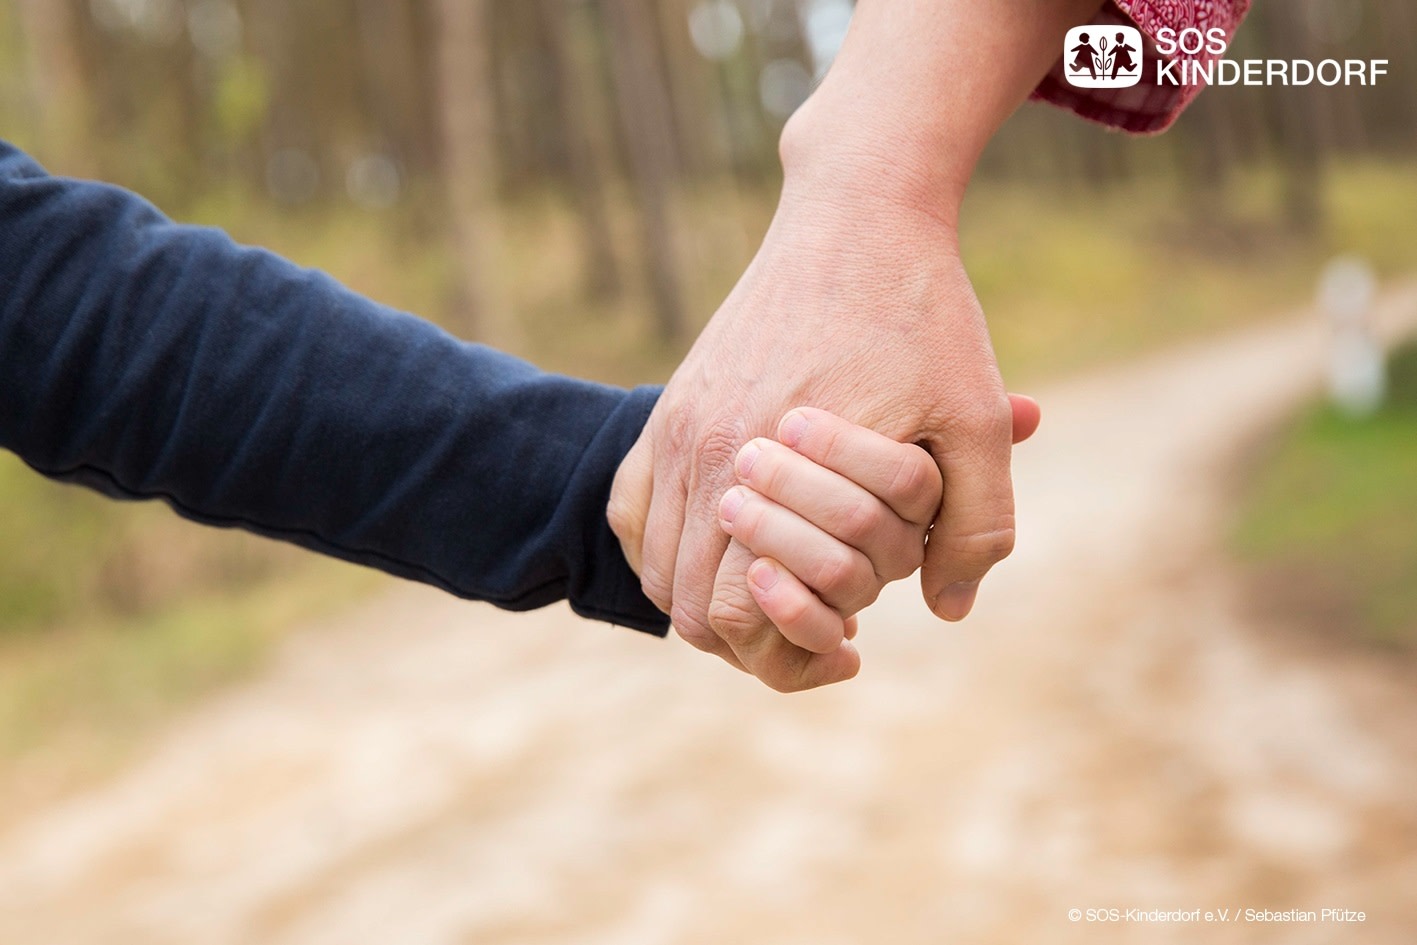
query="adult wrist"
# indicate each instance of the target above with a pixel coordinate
(855, 152)
(916, 92)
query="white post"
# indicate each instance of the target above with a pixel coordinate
(1357, 371)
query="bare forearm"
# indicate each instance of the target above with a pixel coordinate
(919, 88)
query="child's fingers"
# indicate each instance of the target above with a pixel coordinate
(798, 614)
(841, 575)
(902, 475)
(756, 641)
(834, 504)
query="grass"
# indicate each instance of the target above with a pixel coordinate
(1328, 520)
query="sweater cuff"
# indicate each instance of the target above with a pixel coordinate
(605, 587)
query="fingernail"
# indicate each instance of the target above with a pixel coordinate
(793, 428)
(732, 502)
(747, 456)
(762, 574)
(956, 601)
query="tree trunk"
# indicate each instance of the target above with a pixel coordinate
(59, 83)
(646, 120)
(573, 84)
(1305, 128)
(393, 75)
(1398, 100)
(1206, 156)
(468, 161)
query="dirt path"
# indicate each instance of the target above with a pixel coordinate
(1108, 731)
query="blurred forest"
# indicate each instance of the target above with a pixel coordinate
(443, 112)
(581, 181)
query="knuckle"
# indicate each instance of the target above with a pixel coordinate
(982, 419)
(826, 441)
(675, 427)
(694, 631)
(735, 621)
(989, 546)
(748, 523)
(861, 520)
(791, 612)
(910, 479)
(678, 423)
(718, 447)
(657, 585)
(686, 434)
(839, 573)
(903, 564)
(620, 513)
(767, 473)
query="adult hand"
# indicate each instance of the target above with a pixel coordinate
(833, 512)
(856, 303)
(876, 323)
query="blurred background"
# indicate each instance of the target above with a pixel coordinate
(581, 182)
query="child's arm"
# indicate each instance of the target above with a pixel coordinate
(152, 360)
(834, 512)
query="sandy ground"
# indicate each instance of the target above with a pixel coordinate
(1110, 731)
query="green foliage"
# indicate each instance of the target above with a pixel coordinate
(241, 100)
(1373, 208)
(1329, 517)
(54, 540)
(72, 557)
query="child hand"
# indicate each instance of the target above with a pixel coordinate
(834, 512)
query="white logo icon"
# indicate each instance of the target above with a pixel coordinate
(1102, 57)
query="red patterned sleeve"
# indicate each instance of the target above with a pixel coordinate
(1147, 107)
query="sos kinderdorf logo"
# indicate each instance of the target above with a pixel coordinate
(1110, 57)
(1103, 57)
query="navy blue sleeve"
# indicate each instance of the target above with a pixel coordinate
(152, 360)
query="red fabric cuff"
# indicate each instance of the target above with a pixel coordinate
(1147, 107)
